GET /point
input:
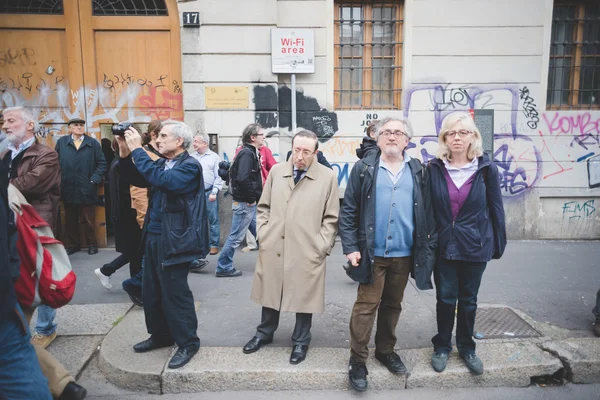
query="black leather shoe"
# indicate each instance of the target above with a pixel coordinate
(135, 297)
(182, 357)
(254, 344)
(73, 391)
(197, 265)
(393, 362)
(298, 353)
(228, 274)
(149, 344)
(72, 250)
(357, 373)
(92, 250)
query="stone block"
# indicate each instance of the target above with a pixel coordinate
(125, 368)
(73, 352)
(581, 357)
(505, 364)
(228, 369)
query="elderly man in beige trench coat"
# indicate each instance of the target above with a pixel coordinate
(297, 224)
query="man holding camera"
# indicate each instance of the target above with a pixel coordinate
(82, 166)
(175, 234)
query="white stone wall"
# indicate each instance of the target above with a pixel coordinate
(458, 55)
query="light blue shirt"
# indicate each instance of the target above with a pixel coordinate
(394, 177)
(210, 170)
(15, 151)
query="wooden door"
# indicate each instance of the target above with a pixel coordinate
(93, 59)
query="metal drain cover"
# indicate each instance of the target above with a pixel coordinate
(502, 323)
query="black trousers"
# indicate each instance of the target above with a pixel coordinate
(456, 280)
(270, 322)
(168, 301)
(135, 265)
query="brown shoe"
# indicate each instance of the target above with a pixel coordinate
(43, 340)
(214, 250)
(597, 327)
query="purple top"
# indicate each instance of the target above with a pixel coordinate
(457, 196)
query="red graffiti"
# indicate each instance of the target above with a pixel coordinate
(548, 150)
(161, 105)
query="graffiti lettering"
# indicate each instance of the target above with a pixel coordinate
(124, 80)
(23, 56)
(579, 124)
(575, 209)
(161, 105)
(529, 108)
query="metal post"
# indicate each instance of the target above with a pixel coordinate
(294, 104)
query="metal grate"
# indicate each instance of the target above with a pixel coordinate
(368, 54)
(574, 73)
(31, 7)
(129, 7)
(502, 323)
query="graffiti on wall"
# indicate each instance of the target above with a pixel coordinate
(54, 102)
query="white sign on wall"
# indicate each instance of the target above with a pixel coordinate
(292, 51)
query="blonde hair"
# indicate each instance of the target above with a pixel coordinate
(475, 148)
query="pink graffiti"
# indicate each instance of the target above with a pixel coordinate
(548, 150)
(579, 124)
(154, 107)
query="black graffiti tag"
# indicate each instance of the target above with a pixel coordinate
(529, 108)
(23, 56)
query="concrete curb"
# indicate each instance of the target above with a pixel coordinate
(581, 358)
(227, 368)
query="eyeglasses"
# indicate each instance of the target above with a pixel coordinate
(386, 134)
(462, 133)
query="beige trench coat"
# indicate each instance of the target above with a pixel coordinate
(296, 227)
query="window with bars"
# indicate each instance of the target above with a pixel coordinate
(574, 74)
(129, 7)
(368, 54)
(31, 7)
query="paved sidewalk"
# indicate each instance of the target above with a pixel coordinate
(551, 285)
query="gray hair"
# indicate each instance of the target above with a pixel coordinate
(386, 120)
(180, 130)
(203, 136)
(26, 115)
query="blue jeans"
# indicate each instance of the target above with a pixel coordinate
(20, 375)
(244, 218)
(212, 209)
(456, 280)
(45, 320)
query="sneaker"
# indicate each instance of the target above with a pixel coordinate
(228, 274)
(439, 361)
(597, 327)
(104, 280)
(474, 363)
(357, 373)
(249, 249)
(197, 265)
(43, 340)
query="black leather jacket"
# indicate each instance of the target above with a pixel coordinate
(357, 221)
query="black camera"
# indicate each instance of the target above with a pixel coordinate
(119, 129)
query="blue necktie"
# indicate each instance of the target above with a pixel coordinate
(299, 173)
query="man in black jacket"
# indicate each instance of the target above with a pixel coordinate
(20, 376)
(385, 241)
(82, 166)
(175, 234)
(245, 186)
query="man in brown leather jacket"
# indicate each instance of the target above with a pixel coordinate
(34, 167)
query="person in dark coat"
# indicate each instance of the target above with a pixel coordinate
(467, 199)
(82, 166)
(128, 233)
(175, 234)
(20, 376)
(388, 232)
(369, 144)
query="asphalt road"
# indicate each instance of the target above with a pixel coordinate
(551, 281)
